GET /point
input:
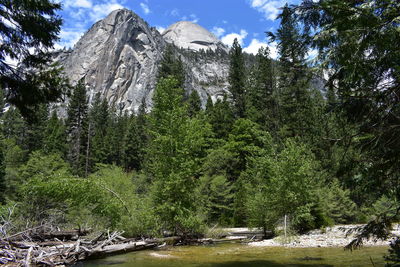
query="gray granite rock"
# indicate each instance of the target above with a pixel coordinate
(119, 57)
(186, 34)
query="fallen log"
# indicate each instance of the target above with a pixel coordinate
(172, 240)
(119, 248)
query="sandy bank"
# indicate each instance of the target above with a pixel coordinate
(331, 237)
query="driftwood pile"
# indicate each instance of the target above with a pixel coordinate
(42, 246)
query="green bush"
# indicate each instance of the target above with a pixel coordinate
(106, 199)
(336, 203)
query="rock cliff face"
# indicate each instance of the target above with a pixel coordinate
(119, 57)
(186, 34)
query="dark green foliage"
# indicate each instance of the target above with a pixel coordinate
(209, 104)
(28, 30)
(217, 194)
(262, 96)
(14, 126)
(99, 124)
(356, 40)
(237, 79)
(297, 103)
(221, 118)
(336, 203)
(276, 148)
(194, 104)
(174, 155)
(285, 183)
(3, 185)
(171, 65)
(134, 146)
(77, 129)
(393, 259)
(55, 138)
(35, 131)
(115, 139)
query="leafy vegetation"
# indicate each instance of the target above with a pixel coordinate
(276, 147)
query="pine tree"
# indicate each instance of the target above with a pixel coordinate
(116, 137)
(35, 133)
(262, 95)
(173, 158)
(237, 78)
(296, 105)
(77, 128)
(29, 29)
(3, 185)
(14, 126)
(194, 104)
(99, 119)
(356, 39)
(55, 136)
(221, 118)
(133, 146)
(172, 65)
(209, 104)
(136, 139)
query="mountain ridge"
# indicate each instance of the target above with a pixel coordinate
(119, 55)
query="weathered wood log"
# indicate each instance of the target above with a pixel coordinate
(172, 240)
(64, 235)
(43, 233)
(27, 262)
(119, 248)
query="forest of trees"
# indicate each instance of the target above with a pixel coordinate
(277, 146)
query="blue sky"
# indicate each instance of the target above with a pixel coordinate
(247, 20)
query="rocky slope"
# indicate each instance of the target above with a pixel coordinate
(119, 56)
(186, 34)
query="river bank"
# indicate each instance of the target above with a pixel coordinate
(329, 237)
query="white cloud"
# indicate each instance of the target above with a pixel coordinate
(270, 8)
(161, 29)
(192, 17)
(100, 11)
(78, 3)
(256, 44)
(84, 3)
(81, 14)
(229, 38)
(145, 8)
(69, 38)
(217, 31)
(174, 12)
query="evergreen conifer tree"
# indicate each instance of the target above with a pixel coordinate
(99, 119)
(3, 185)
(237, 78)
(209, 104)
(221, 118)
(55, 136)
(29, 29)
(35, 133)
(296, 105)
(172, 65)
(262, 95)
(77, 128)
(194, 104)
(133, 146)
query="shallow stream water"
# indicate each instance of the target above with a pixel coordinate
(238, 255)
